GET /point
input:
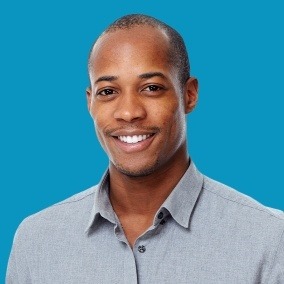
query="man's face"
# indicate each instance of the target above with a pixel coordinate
(136, 101)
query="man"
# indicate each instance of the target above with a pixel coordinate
(153, 218)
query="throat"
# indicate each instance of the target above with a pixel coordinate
(135, 225)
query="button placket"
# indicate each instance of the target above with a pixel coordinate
(149, 234)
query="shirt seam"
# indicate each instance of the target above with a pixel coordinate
(72, 201)
(240, 203)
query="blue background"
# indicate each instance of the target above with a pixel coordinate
(48, 146)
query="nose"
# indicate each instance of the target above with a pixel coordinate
(130, 108)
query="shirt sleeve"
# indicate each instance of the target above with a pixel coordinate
(277, 271)
(18, 270)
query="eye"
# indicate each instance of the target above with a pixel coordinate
(106, 92)
(152, 88)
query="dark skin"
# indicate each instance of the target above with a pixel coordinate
(135, 202)
(139, 110)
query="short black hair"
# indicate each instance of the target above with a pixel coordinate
(177, 53)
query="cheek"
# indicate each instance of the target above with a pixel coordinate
(99, 118)
(175, 125)
(171, 115)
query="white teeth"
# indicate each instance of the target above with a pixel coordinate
(133, 139)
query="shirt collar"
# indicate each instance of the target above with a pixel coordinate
(179, 204)
(102, 206)
(182, 200)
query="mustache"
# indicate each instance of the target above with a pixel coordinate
(153, 129)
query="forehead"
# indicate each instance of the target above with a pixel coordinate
(135, 46)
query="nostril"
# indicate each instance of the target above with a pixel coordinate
(130, 109)
(129, 117)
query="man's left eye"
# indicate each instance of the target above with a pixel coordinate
(152, 88)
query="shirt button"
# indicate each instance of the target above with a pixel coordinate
(160, 215)
(141, 249)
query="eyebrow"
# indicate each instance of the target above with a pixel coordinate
(106, 78)
(147, 75)
(150, 75)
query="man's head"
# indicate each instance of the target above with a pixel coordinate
(177, 54)
(140, 92)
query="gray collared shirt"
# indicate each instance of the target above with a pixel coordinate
(205, 232)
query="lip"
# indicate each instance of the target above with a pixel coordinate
(131, 132)
(133, 147)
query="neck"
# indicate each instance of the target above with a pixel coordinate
(144, 195)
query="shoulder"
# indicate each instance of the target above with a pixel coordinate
(241, 219)
(234, 201)
(64, 213)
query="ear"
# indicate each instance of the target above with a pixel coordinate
(89, 97)
(190, 94)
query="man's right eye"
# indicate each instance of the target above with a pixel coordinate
(106, 92)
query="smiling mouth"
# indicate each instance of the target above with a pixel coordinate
(134, 138)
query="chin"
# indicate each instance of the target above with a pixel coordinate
(137, 171)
